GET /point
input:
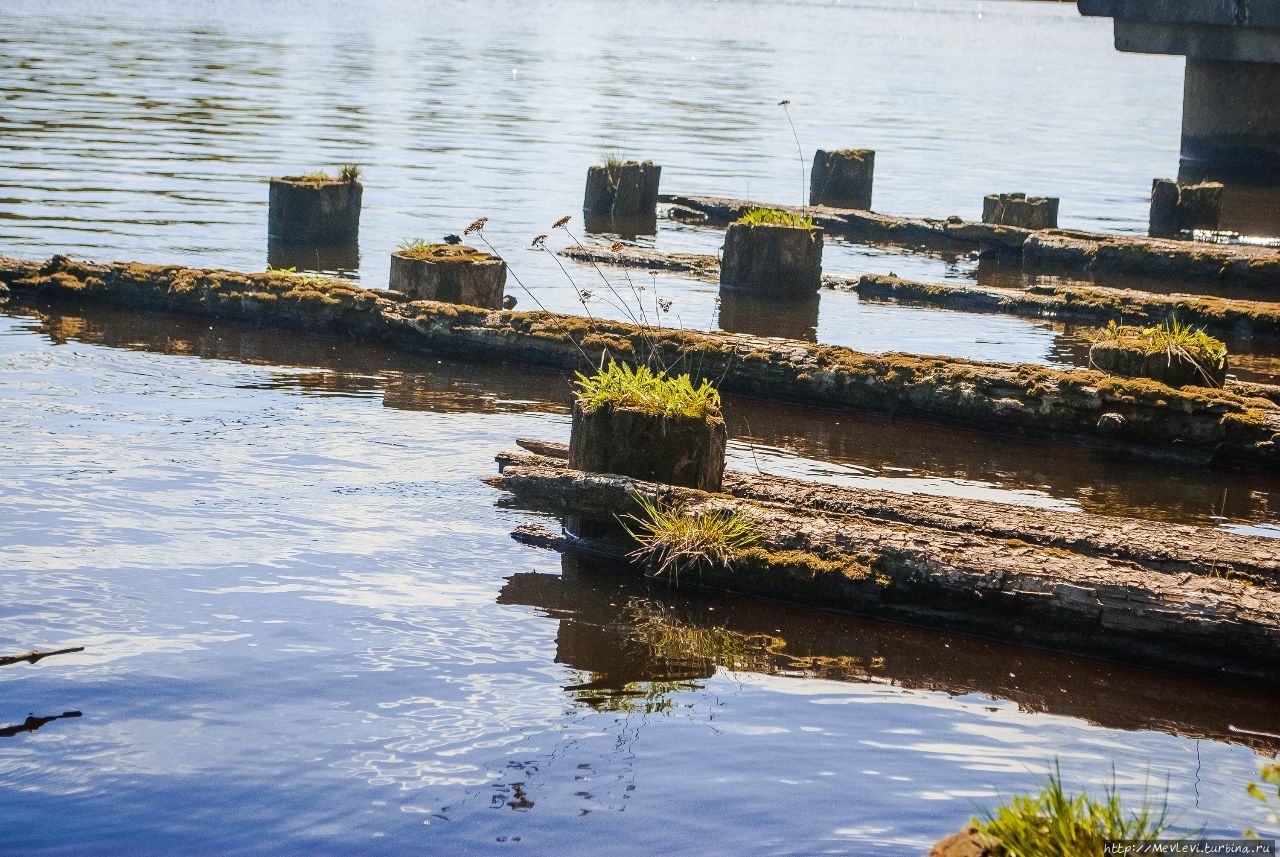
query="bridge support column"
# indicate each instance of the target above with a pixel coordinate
(1231, 119)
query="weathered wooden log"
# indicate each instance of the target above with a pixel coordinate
(1155, 545)
(1020, 210)
(783, 262)
(955, 579)
(1229, 317)
(310, 211)
(842, 179)
(450, 273)
(1047, 250)
(674, 450)
(1137, 416)
(1180, 208)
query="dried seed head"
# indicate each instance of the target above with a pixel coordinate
(584, 296)
(476, 225)
(539, 240)
(786, 102)
(665, 304)
(654, 272)
(561, 222)
(617, 247)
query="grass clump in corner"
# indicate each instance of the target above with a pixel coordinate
(642, 389)
(1270, 777)
(672, 540)
(1171, 338)
(775, 217)
(349, 173)
(1055, 824)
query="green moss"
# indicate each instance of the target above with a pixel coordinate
(442, 254)
(775, 217)
(759, 559)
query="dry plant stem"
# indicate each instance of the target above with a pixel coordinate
(608, 284)
(804, 201)
(494, 250)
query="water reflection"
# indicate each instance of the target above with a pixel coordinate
(846, 448)
(638, 646)
(341, 260)
(761, 316)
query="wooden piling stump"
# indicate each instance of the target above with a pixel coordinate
(626, 192)
(842, 179)
(781, 261)
(1018, 209)
(1201, 361)
(314, 211)
(1178, 208)
(451, 273)
(675, 450)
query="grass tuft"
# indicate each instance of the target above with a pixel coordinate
(316, 176)
(1055, 824)
(1171, 337)
(349, 172)
(672, 540)
(642, 389)
(775, 217)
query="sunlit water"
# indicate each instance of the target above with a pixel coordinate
(307, 628)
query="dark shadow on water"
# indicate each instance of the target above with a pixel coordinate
(638, 644)
(628, 228)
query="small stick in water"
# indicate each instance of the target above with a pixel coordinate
(35, 655)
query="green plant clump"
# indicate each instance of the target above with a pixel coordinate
(416, 248)
(642, 389)
(1055, 824)
(672, 540)
(775, 217)
(349, 172)
(1171, 338)
(316, 176)
(1270, 777)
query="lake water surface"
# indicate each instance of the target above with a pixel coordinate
(307, 628)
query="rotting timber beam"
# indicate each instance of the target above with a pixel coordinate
(1076, 250)
(1081, 303)
(1136, 416)
(943, 575)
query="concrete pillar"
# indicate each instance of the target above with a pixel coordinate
(1231, 118)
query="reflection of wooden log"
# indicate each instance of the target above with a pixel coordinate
(35, 655)
(946, 575)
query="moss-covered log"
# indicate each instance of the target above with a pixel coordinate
(1136, 415)
(1048, 249)
(949, 576)
(1155, 545)
(1227, 317)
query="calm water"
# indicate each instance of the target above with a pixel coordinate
(307, 627)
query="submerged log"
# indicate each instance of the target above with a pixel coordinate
(1136, 415)
(1229, 317)
(1046, 249)
(954, 578)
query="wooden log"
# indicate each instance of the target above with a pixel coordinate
(1047, 250)
(842, 179)
(1227, 317)
(958, 580)
(783, 262)
(450, 273)
(306, 211)
(674, 450)
(1154, 545)
(1137, 416)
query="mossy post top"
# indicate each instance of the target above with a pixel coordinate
(447, 254)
